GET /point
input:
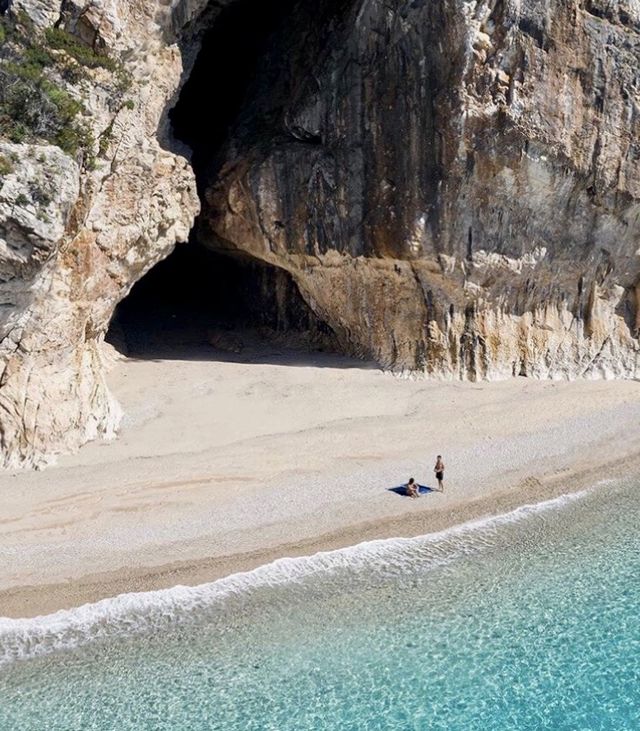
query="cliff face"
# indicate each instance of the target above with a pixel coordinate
(453, 186)
(78, 227)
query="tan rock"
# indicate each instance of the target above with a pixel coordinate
(454, 188)
(72, 258)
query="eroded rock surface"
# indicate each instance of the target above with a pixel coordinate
(453, 186)
(76, 234)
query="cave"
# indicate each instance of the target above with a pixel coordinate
(206, 297)
(201, 303)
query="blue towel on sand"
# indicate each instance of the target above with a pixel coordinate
(402, 490)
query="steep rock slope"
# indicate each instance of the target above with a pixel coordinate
(454, 187)
(78, 227)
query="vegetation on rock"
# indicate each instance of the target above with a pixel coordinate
(6, 166)
(62, 40)
(40, 81)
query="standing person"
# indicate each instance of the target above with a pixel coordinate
(439, 470)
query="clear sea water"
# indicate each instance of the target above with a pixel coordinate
(527, 622)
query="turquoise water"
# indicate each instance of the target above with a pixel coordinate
(528, 622)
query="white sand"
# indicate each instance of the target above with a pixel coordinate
(221, 466)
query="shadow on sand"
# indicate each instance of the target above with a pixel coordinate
(264, 354)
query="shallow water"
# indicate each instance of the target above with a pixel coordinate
(526, 622)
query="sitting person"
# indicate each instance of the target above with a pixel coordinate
(412, 488)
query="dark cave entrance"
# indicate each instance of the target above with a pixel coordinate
(199, 301)
(224, 76)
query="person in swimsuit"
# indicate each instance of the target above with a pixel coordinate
(412, 488)
(439, 470)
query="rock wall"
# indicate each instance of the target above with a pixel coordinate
(70, 254)
(454, 187)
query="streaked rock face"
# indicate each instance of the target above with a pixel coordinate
(40, 185)
(454, 187)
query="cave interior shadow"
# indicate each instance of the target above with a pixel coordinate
(199, 303)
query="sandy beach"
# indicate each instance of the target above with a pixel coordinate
(225, 464)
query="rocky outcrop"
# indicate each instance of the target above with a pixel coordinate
(40, 185)
(453, 186)
(76, 234)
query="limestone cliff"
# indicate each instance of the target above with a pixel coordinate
(453, 185)
(77, 228)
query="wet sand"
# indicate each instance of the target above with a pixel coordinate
(222, 466)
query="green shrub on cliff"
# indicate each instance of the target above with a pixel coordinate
(38, 56)
(6, 166)
(62, 40)
(37, 70)
(32, 106)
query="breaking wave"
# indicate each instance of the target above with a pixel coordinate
(135, 613)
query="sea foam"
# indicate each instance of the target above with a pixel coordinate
(135, 613)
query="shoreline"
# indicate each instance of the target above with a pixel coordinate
(222, 467)
(109, 585)
(125, 615)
